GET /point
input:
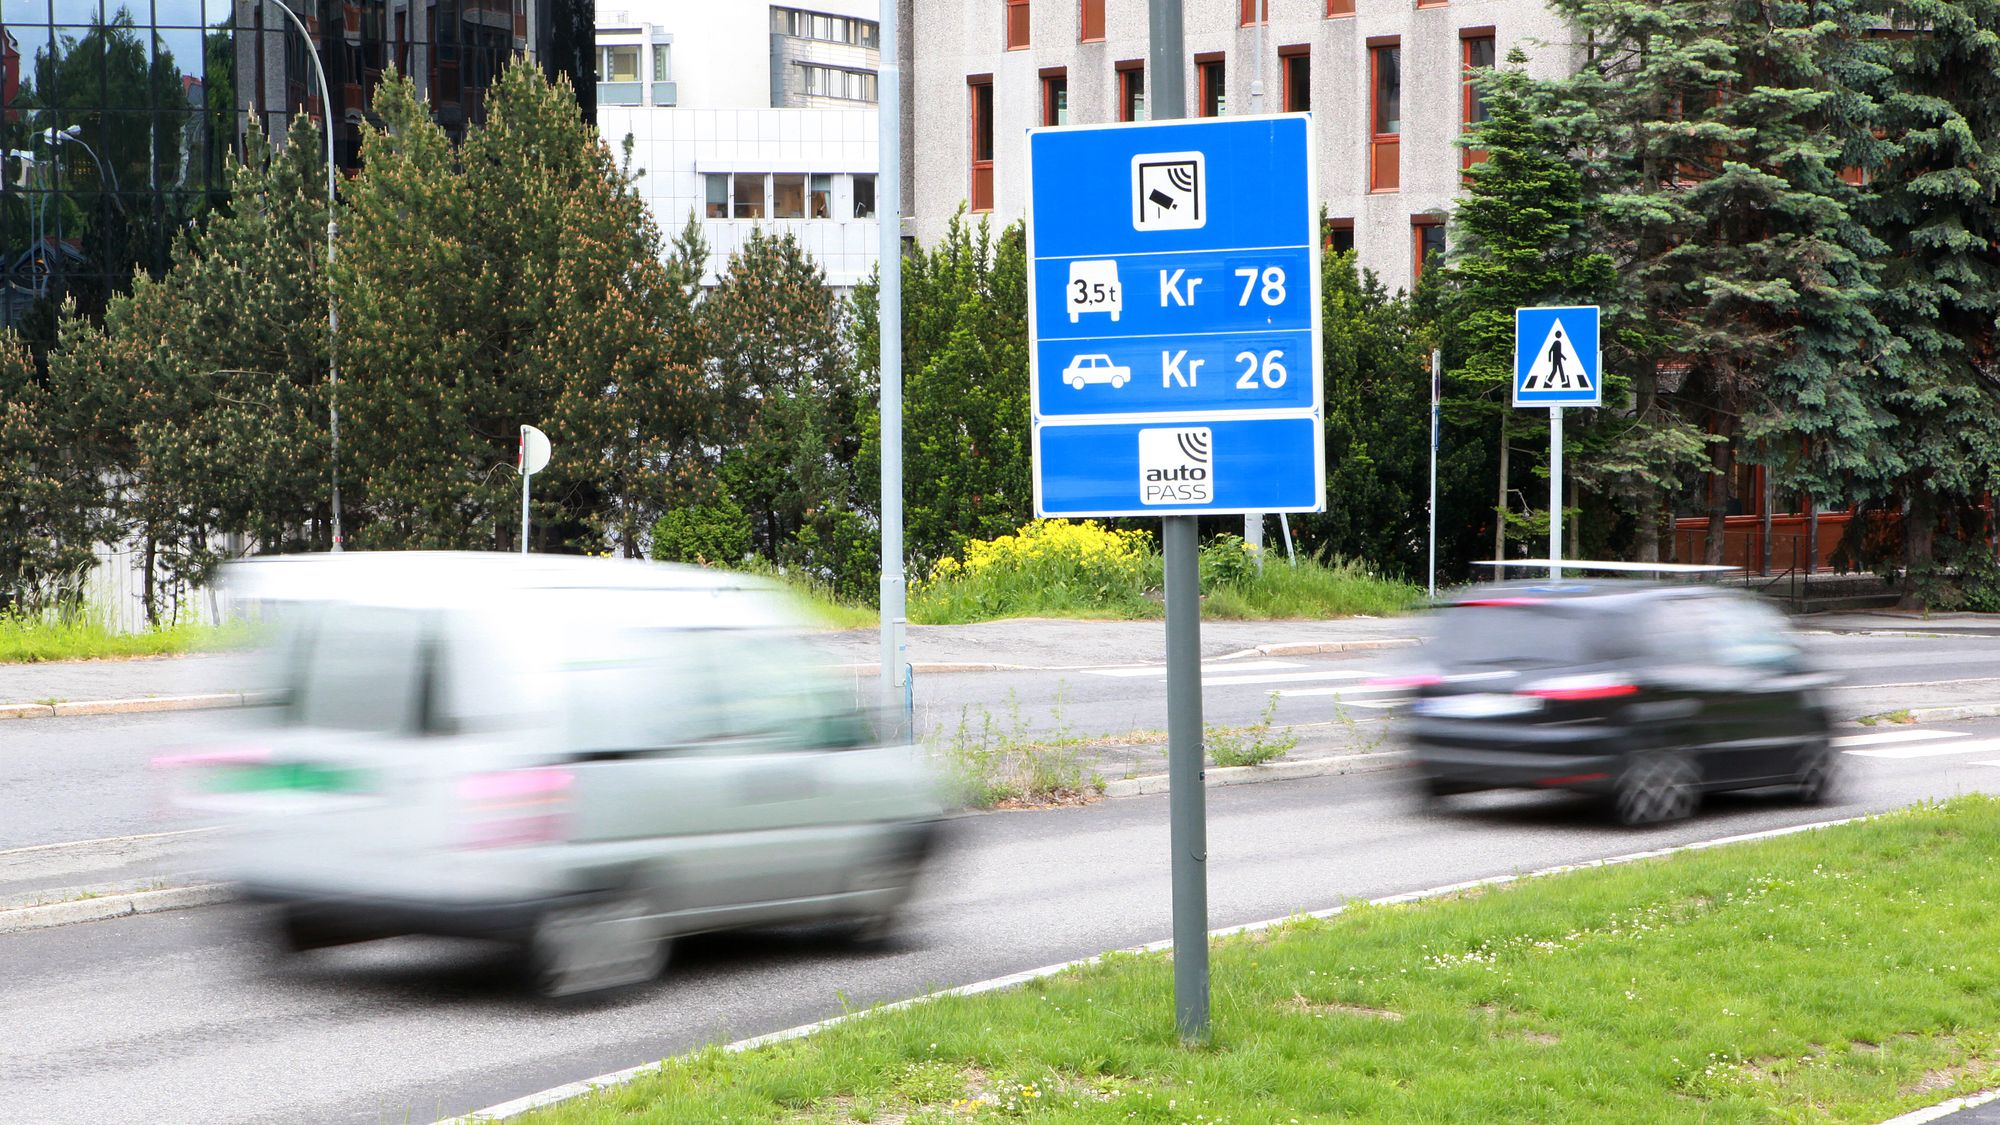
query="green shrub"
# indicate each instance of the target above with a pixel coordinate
(1049, 568)
(715, 532)
(1315, 588)
(1226, 560)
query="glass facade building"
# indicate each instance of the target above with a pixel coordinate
(117, 117)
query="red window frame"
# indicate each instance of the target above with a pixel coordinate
(979, 99)
(1469, 96)
(1334, 229)
(1016, 24)
(1129, 72)
(1090, 21)
(1421, 225)
(1385, 148)
(1339, 9)
(1299, 55)
(1054, 78)
(1246, 12)
(1211, 85)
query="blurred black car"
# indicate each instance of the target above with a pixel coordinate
(1649, 695)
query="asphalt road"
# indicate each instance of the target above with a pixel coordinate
(183, 1017)
(86, 778)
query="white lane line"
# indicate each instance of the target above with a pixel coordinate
(1876, 738)
(105, 840)
(1284, 678)
(1135, 671)
(1996, 763)
(1343, 692)
(1976, 746)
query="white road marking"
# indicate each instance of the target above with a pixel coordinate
(1932, 750)
(1283, 678)
(1135, 671)
(1343, 692)
(1875, 738)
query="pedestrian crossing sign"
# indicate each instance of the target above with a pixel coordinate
(1556, 360)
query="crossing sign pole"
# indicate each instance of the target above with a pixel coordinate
(1557, 364)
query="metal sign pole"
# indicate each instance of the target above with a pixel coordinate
(889, 217)
(525, 478)
(1437, 380)
(1188, 809)
(1555, 491)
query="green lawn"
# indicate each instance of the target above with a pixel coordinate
(1847, 974)
(26, 640)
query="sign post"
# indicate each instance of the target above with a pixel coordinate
(532, 458)
(1556, 364)
(1174, 343)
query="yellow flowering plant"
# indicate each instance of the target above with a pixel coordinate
(1045, 567)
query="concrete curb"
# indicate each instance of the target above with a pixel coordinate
(1270, 771)
(126, 706)
(1944, 1109)
(112, 906)
(1319, 648)
(568, 1091)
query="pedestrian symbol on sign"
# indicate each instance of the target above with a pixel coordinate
(1557, 367)
(1169, 191)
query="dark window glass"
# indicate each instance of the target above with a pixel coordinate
(1388, 90)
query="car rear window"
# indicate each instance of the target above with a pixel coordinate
(1535, 634)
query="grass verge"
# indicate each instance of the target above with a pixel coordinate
(1312, 588)
(1840, 975)
(29, 640)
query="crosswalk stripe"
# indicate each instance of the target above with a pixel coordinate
(1135, 671)
(1343, 692)
(1932, 750)
(1283, 678)
(1876, 738)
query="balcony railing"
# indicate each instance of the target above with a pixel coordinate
(663, 93)
(621, 93)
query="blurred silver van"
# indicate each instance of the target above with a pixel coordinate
(582, 757)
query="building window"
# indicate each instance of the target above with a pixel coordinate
(834, 82)
(1247, 12)
(1210, 81)
(1055, 97)
(819, 202)
(788, 195)
(1132, 91)
(1476, 53)
(618, 75)
(718, 195)
(1340, 235)
(829, 29)
(663, 62)
(1432, 3)
(981, 90)
(1385, 116)
(864, 197)
(749, 192)
(1017, 24)
(1338, 8)
(1092, 19)
(1426, 240)
(1295, 64)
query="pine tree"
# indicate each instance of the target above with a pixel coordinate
(1935, 180)
(1711, 135)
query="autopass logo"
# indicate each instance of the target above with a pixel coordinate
(1176, 466)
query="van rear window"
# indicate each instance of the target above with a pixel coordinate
(360, 668)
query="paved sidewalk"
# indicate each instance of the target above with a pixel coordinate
(1026, 642)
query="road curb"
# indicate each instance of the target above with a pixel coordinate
(1220, 776)
(545, 1098)
(1944, 1109)
(112, 906)
(149, 703)
(1320, 648)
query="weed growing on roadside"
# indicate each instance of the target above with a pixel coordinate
(1252, 745)
(987, 761)
(1902, 716)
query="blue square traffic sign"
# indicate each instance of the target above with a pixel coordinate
(1174, 311)
(1556, 360)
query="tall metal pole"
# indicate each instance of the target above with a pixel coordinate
(332, 229)
(1253, 522)
(1437, 388)
(889, 212)
(1555, 491)
(1187, 806)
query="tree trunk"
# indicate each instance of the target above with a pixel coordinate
(1919, 540)
(147, 592)
(1723, 467)
(1500, 503)
(1645, 501)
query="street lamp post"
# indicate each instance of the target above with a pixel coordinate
(74, 135)
(332, 229)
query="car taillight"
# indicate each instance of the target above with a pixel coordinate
(510, 808)
(1403, 681)
(1577, 688)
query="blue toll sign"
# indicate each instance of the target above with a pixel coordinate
(1174, 306)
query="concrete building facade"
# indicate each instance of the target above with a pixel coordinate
(750, 116)
(1384, 80)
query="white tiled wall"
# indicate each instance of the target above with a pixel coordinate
(675, 146)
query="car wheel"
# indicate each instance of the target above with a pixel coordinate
(1118, 382)
(897, 874)
(1656, 788)
(1819, 775)
(1075, 381)
(590, 946)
